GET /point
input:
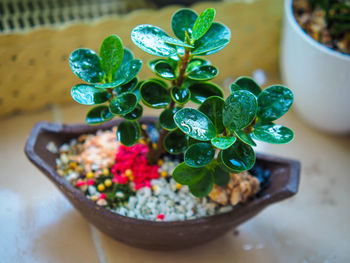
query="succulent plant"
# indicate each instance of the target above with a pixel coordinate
(337, 14)
(217, 138)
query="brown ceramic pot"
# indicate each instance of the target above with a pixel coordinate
(149, 234)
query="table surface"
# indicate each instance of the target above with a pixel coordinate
(37, 224)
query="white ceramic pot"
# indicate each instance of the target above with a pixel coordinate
(318, 76)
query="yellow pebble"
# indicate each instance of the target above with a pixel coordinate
(163, 174)
(142, 141)
(154, 145)
(94, 198)
(108, 182)
(105, 172)
(160, 162)
(144, 126)
(90, 175)
(79, 169)
(128, 173)
(154, 187)
(178, 186)
(72, 165)
(131, 178)
(101, 187)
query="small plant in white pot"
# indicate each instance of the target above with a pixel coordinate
(318, 73)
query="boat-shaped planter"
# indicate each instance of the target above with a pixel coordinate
(153, 234)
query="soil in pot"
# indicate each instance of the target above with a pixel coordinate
(120, 179)
(325, 21)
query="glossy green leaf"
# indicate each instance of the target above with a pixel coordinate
(153, 62)
(182, 21)
(127, 87)
(203, 23)
(199, 154)
(85, 63)
(246, 83)
(203, 187)
(191, 141)
(175, 142)
(128, 55)
(159, 81)
(129, 70)
(187, 175)
(164, 70)
(239, 157)
(123, 103)
(176, 42)
(274, 102)
(111, 54)
(272, 133)
(166, 119)
(223, 142)
(109, 85)
(246, 138)
(239, 110)
(151, 39)
(200, 91)
(203, 73)
(212, 107)
(180, 96)
(128, 132)
(89, 95)
(98, 115)
(135, 114)
(221, 176)
(154, 95)
(217, 37)
(196, 63)
(195, 124)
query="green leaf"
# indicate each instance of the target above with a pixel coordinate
(187, 175)
(199, 154)
(153, 63)
(182, 21)
(123, 103)
(128, 71)
(98, 115)
(85, 63)
(239, 110)
(191, 141)
(203, 73)
(164, 70)
(246, 83)
(152, 40)
(200, 91)
(88, 95)
(196, 63)
(239, 157)
(180, 96)
(212, 107)
(195, 124)
(159, 81)
(221, 176)
(223, 142)
(274, 102)
(127, 87)
(111, 54)
(217, 37)
(176, 42)
(175, 142)
(272, 133)
(166, 119)
(203, 187)
(246, 138)
(203, 23)
(154, 95)
(135, 114)
(109, 85)
(128, 55)
(128, 132)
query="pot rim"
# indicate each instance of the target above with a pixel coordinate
(290, 18)
(290, 189)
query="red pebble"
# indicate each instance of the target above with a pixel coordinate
(160, 217)
(81, 183)
(90, 181)
(103, 196)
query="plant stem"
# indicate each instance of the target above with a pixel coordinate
(154, 153)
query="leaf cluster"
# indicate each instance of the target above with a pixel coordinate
(218, 137)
